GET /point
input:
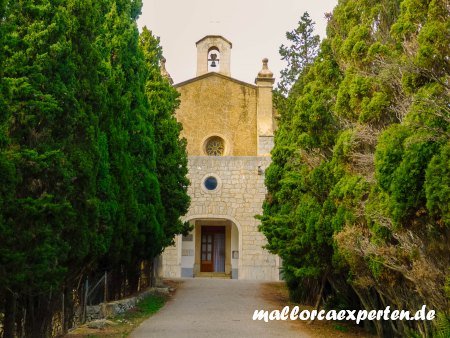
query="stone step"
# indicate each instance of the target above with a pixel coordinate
(220, 275)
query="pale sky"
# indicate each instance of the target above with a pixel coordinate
(256, 29)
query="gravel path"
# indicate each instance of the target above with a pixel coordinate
(214, 308)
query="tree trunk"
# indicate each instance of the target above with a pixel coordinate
(10, 315)
(320, 295)
(151, 273)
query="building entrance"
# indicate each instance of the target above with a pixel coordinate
(212, 258)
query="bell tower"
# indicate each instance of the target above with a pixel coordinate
(213, 55)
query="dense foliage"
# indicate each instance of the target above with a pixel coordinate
(358, 204)
(87, 135)
(171, 156)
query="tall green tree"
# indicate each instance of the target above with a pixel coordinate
(354, 199)
(79, 185)
(296, 219)
(50, 221)
(171, 155)
(128, 125)
(301, 52)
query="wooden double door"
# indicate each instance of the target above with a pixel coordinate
(212, 255)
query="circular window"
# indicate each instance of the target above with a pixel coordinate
(210, 183)
(215, 146)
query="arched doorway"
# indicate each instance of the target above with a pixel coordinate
(211, 249)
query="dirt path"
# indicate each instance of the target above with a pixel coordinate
(216, 308)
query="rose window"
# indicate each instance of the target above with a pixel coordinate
(215, 146)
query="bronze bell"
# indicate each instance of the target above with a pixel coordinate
(213, 59)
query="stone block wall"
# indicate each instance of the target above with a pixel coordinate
(113, 309)
(238, 198)
(265, 145)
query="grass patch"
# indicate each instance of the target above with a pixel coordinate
(341, 328)
(145, 308)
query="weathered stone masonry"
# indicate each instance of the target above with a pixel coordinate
(240, 115)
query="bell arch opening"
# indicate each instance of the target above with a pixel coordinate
(213, 59)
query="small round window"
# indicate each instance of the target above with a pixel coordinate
(215, 146)
(210, 183)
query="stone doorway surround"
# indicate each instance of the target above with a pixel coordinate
(186, 254)
(248, 258)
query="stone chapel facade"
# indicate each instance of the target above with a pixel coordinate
(229, 128)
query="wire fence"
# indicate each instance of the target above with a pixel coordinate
(97, 288)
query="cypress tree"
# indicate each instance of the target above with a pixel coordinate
(354, 200)
(76, 152)
(79, 165)
(129, 127)
(50, 222)
(171, 156)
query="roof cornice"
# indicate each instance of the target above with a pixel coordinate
(201, 77)
(214, 36)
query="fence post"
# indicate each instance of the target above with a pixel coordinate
(86, 289)
(63, 315)
(105, 298)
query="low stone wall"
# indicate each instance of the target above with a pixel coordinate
(112, 309)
